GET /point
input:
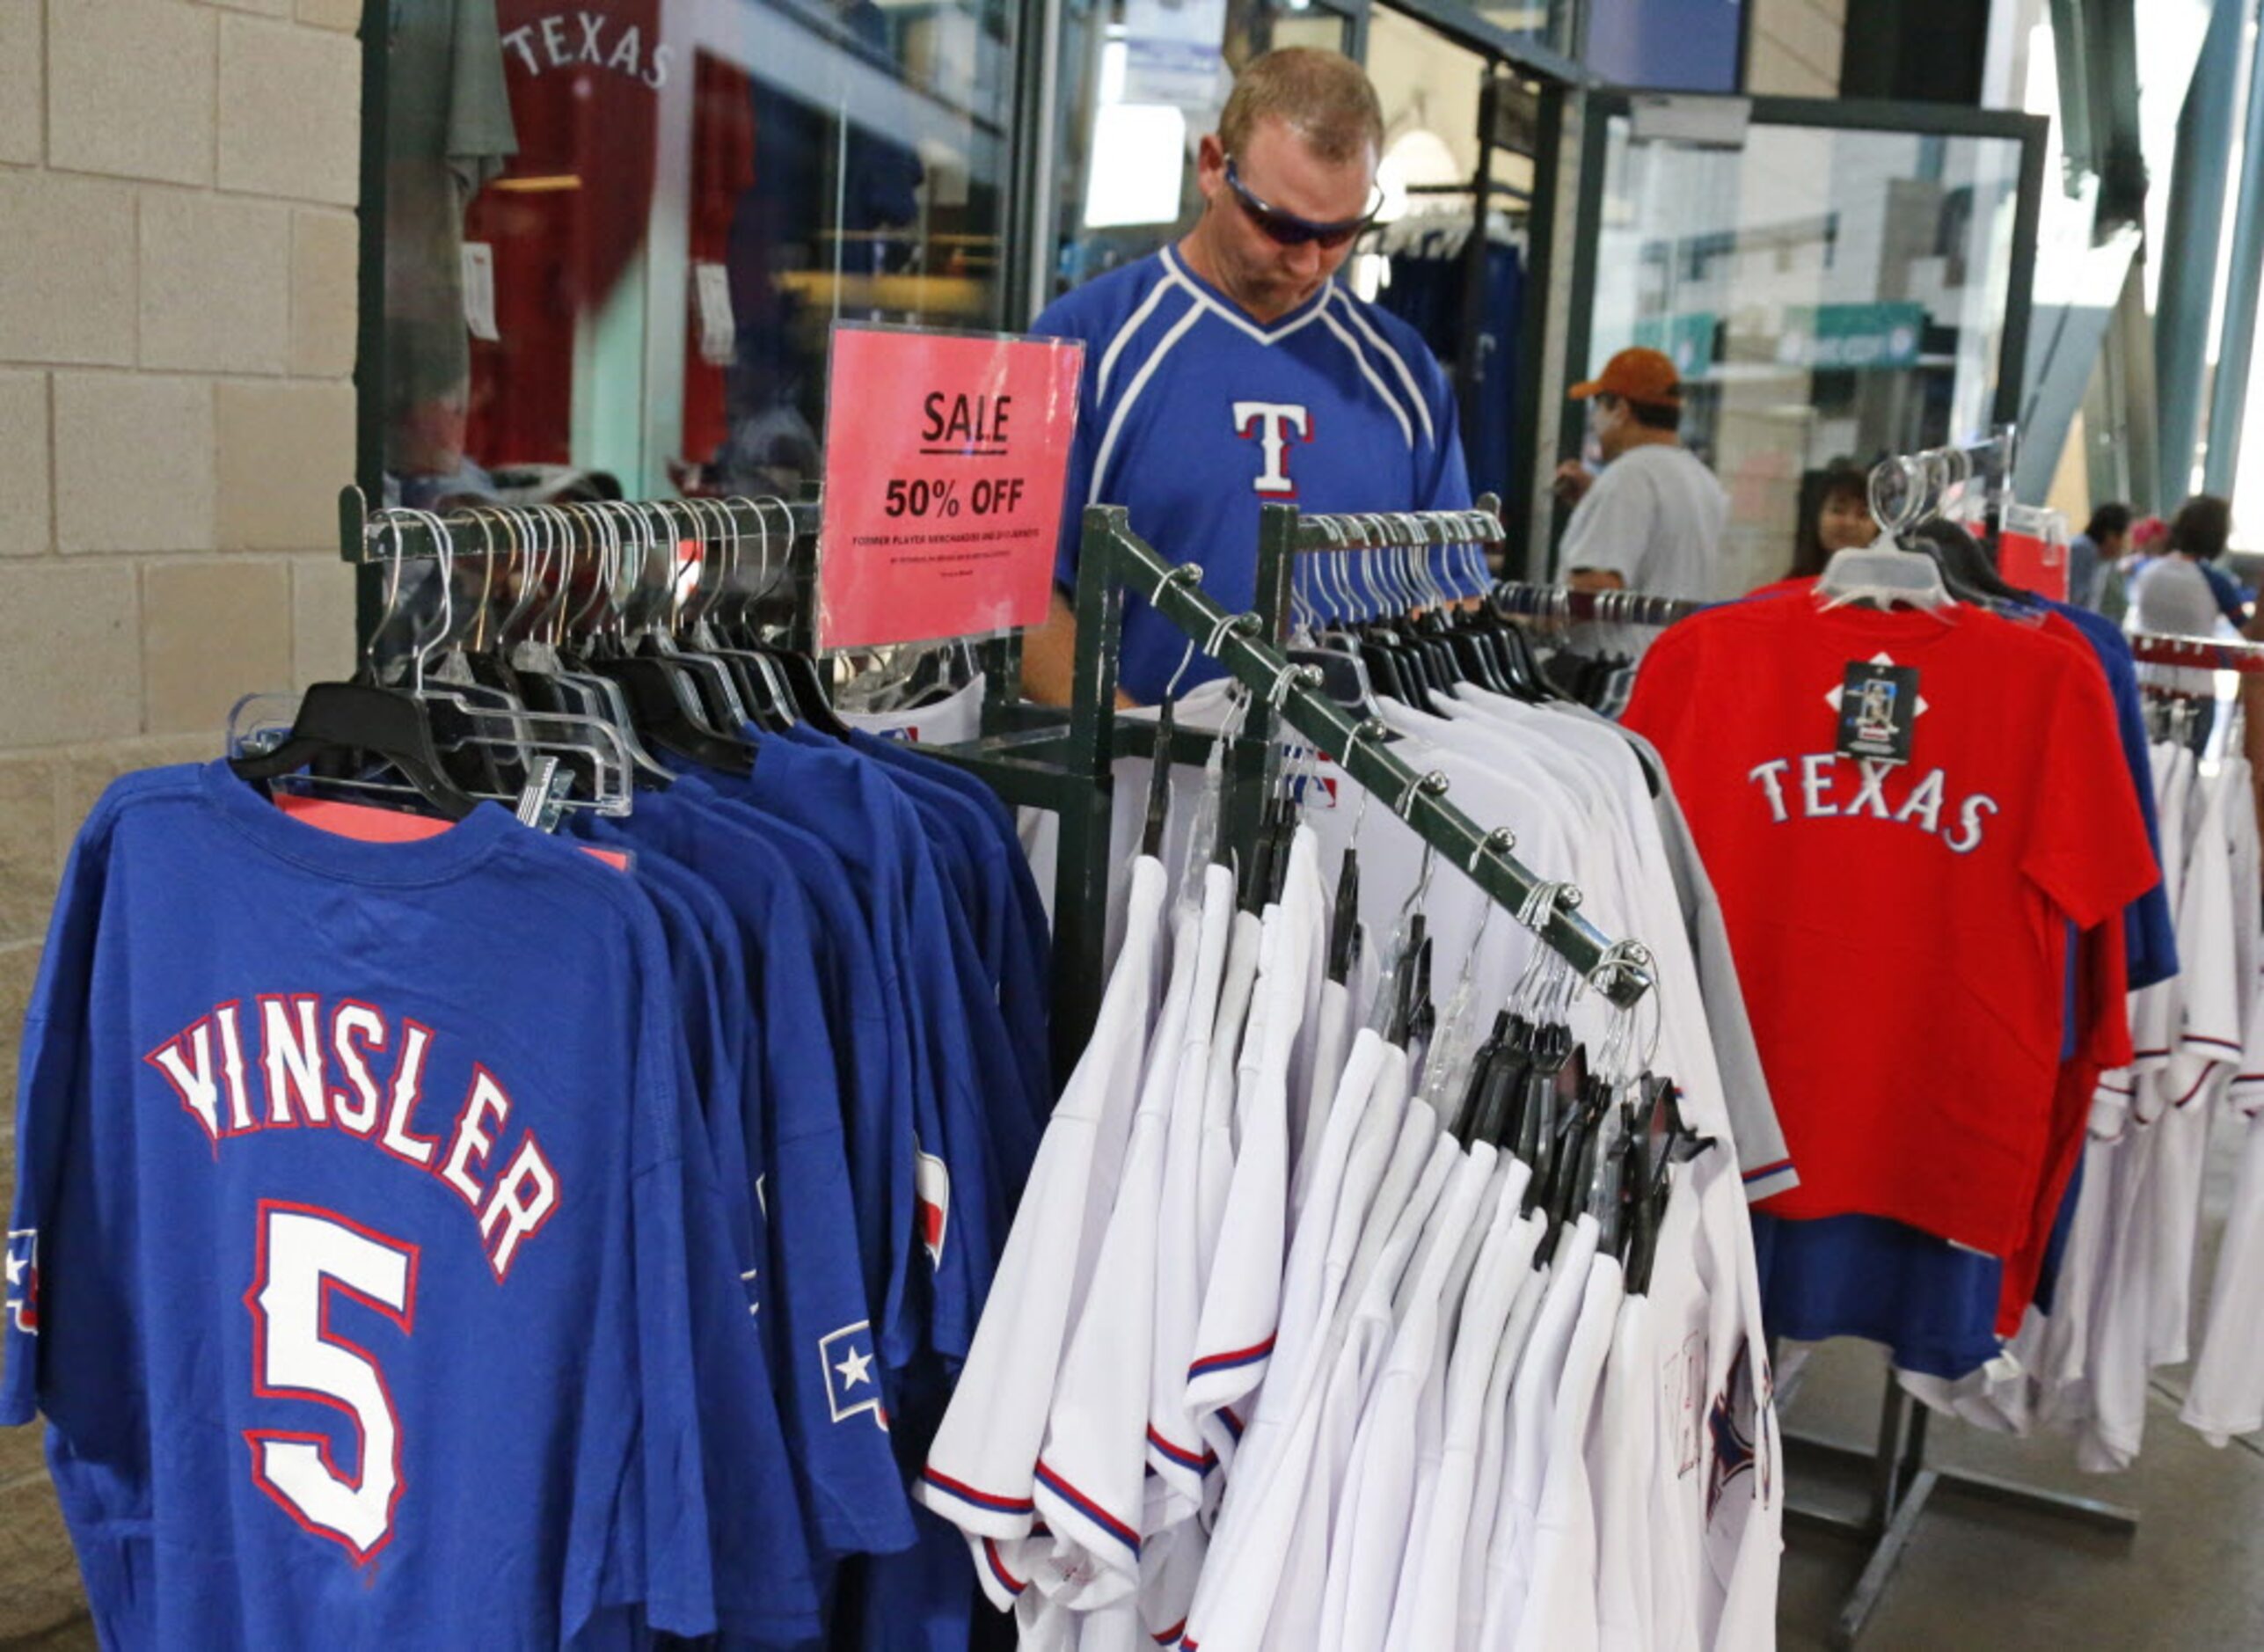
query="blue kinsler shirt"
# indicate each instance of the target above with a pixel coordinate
(367, 1259)
(1193, 417)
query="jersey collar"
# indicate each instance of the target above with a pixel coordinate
(1227, 310)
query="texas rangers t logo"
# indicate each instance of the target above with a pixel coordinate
(1271, 421)
(24, 1279)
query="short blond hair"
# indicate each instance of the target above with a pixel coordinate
(1323, 98)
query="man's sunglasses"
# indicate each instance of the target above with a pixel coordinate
(1287, 229)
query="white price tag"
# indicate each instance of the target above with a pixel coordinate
(718, 333)
(479, 291)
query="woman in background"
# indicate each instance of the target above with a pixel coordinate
(1838, 517)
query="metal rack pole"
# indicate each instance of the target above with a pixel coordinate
(364, 537)
(1125, 559)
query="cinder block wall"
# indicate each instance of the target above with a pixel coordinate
(176, 320)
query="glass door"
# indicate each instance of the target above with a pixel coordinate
(1833, 281)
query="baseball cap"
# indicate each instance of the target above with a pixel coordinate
(1637, 375)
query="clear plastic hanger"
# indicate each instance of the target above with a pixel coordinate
(1882, 573)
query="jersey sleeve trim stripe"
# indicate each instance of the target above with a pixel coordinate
(2214, 1044)
(1125, 334)
(2200, 1085)
(1091, 1510)
(1406, 428)
(1170, 1637)
(1007, 1580)
(1762, 1186)
(1774, 1167)
(1351, 308)
(1201, 1463)
(1233, 1421)
(1132, 394)
(1228, 1361)
(965, 1493)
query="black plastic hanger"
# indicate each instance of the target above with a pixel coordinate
(355, 721)
(661, 717)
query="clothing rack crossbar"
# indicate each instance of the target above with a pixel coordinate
(2202, 654)
(1123, 560)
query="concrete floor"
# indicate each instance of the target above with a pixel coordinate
(1983, 1577)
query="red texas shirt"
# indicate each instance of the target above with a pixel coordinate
(1901, 929)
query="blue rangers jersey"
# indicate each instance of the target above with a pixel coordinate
(1193, 417)
(374, 1285)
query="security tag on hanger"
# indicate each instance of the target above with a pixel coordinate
(1878, 710)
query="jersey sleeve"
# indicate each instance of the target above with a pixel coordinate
(2087, 848)
(826, 1359)
(662, 1555)
(53, 1070)
(1059, 320)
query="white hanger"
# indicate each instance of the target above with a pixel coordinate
(1882, 572)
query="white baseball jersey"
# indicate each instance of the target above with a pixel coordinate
(1594, 760)
(1561, 1612)
(1296, 1620)
(1508, 1180)
(1376, 1504)
(1532, 1408)
(1175, 1448)
(1306, 1302)
(1241, 1306)
(1215, 1171)
(2227, 1395)
(1257, 1533)
(2218, 916)
(1171, 1565)
(1333, 1036)
(1430, 1587)
(1718, 1518)
(1493, 1462)
(2142, 1287)
(1320, 1263)
(982, 1469)
(1623, 1462)
(1092, 1474)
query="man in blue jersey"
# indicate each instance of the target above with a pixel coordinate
(1231, 370)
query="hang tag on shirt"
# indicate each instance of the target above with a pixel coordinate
(1878, 708)
(719, 331)
(479, 291)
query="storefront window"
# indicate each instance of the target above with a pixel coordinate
(617, 231)
(1141, 82)
(1826, 293)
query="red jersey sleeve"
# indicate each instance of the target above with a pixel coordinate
(2087, 848)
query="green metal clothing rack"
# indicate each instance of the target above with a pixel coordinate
(1114, 559)
(1038, 756)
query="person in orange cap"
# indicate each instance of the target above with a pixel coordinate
(1651, 519)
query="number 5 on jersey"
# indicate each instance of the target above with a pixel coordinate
(306, 1254)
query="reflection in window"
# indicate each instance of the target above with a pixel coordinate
(618, 233)
(1825, 294)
